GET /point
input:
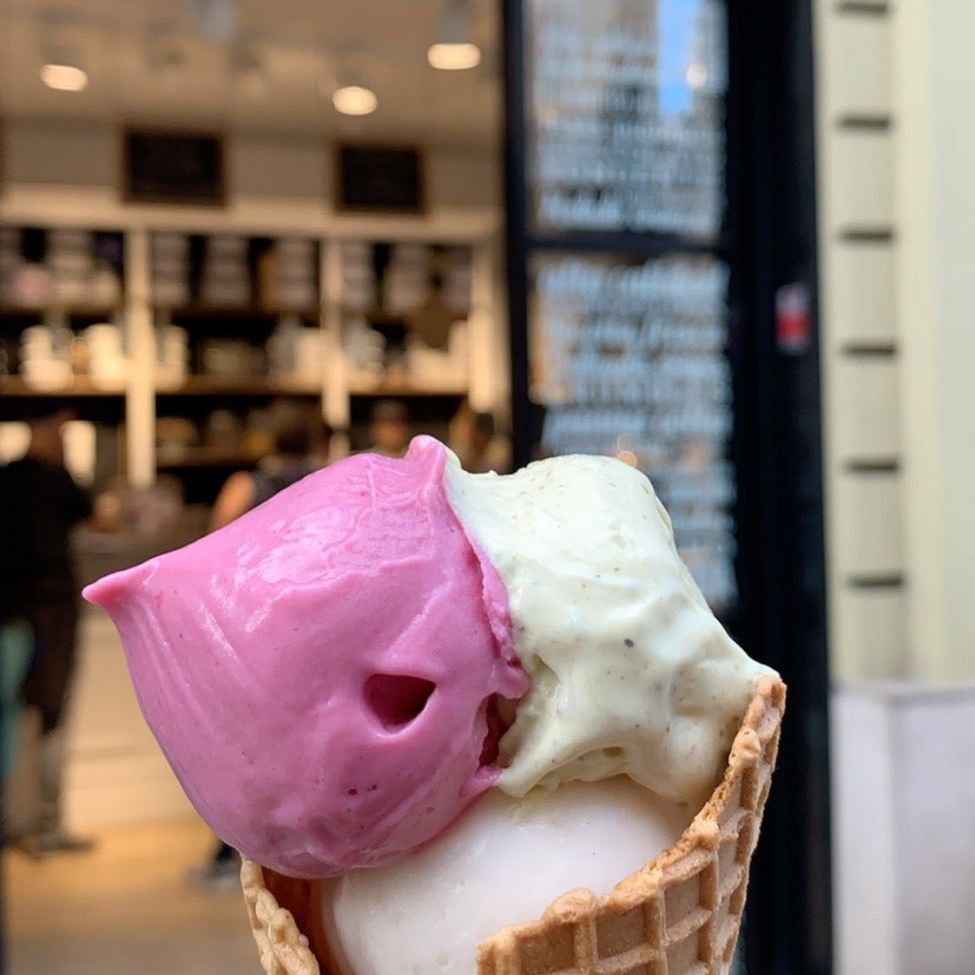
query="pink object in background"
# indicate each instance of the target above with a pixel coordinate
(321, 672)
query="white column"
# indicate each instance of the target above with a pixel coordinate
(336, 402)
(860, 354)
(935, 206)
(487, 341)
(140, 396)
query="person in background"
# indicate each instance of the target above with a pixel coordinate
(294, 439)
(293, 433)
(489, 450)
(16, 649)
(40, 504)
(389, 428)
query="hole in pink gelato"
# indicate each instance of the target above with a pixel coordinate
(396, 699)
(498, 723)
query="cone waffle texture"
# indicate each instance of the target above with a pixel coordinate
(679, 915)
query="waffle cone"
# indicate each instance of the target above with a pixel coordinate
(678, 915)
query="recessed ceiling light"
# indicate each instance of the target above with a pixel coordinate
(64, 77)
(355, 100)
(453, 49)
(454, 56)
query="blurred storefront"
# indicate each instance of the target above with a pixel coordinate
(207, 210)
(662, 279)
(724, 242)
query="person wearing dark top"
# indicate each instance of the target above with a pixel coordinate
(287, 464)
(244, 490)
(40, 504)
(389, 428)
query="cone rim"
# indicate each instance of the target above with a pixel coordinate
(285, 950)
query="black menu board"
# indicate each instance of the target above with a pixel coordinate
(624, 209)
(379, 178)
(660, 196)
(173, 167)
(627, 358)
(626, 115)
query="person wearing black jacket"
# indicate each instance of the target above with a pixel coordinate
(39, 505)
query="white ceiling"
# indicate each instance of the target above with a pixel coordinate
(300, 43)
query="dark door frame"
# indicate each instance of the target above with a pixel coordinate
(770, 241)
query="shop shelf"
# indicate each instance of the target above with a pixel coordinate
(257, 386)
(235, 311)
(107, 312)
(79, 386)
(394, 387)
(208, 457)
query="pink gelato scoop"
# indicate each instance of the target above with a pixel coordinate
(321, 673)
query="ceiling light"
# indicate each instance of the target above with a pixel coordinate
(453, 49)
(454, 56)
(347, 85)
(61, 75)
(355, 100)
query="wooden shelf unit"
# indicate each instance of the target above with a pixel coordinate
(79, 386)
(396, 389)
(257, 386)
(235, 311)
(101, 312)
(142, 396)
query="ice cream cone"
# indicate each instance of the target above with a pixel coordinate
(678, 915)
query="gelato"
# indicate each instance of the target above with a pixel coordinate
(339, 674)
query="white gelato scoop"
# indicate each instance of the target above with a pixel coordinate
(503, 863)
(631, 673)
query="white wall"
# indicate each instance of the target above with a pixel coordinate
(903, 838)
(935, 206)
(861, 343)
(43, 154)
(897, 238)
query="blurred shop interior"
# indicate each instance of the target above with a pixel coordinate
(240, 240)
(219, 220)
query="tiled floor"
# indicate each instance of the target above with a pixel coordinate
(124, 909)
